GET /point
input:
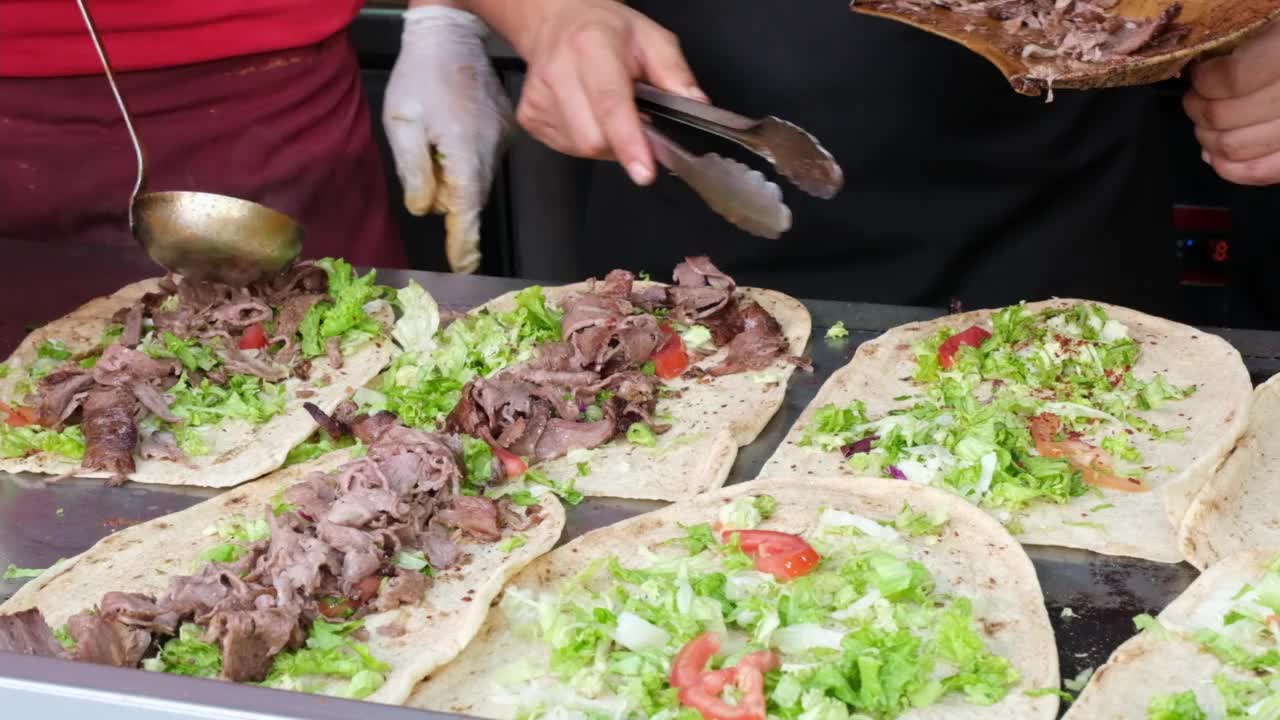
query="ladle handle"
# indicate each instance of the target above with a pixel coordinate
(124, 111)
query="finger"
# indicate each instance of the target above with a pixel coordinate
(1252, 66)
(462, 241)
(1242, 144)
(555, 100)
(578, 119)
(1236, 112)
(412, 153)
(609, 87)
(663, 64)
(1260, 171)
(533, 115)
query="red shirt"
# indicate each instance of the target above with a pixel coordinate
(47, 38)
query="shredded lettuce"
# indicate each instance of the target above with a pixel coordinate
(237, 534)
(967, 430)
(187, 654)
(477, 460)
(422, 386)
(640, 434)
(191, 441)
(915, 523)
(699, 537)
(864, 635)
(833, 426)
(414, 560)
(513, 543)
(22, 441)
(329, 653)
(747, 512)
(244, 397)
(1245, 638)
(565, 489)
(837, 331)
(415, 330)
(343, 315)
(1178, 706)
(64, 638)
(193, 354)
(13, 572)
(50, 354)
(317, 445)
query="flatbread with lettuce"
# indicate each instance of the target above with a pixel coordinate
(1076, 423)
(1213, 654)
(355, 575)
(191, 383)
(618, 387)
(785, 598)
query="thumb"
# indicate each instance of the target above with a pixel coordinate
(412, 152)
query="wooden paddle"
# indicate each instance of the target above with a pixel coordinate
(1216, 27)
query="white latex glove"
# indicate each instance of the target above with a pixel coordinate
(447, 119)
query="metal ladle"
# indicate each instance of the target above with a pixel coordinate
(203, 236)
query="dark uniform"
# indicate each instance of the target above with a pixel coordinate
(955, 187)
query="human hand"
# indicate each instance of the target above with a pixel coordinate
(1234, 102)
(584, 57)
(447, 118)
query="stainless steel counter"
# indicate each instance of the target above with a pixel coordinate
(41, 521)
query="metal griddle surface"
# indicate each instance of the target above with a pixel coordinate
(41, 522)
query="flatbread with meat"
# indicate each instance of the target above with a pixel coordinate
(814, 596)
(189, 383)
(1236, 510)
(616, 387)
(349, 576)
(1213, 653)
(722, 401)
(1076, 423)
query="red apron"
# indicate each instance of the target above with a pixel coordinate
(289, 129)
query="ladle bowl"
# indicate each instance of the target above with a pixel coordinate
(202, 236)
(216, 238)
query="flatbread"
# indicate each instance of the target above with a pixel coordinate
(1139, 525)
(143, 557)
(712, 418)
(238, 450)
(974, 557)
(1236, 510)
(1148, 665)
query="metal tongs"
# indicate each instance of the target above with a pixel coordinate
(741, 195)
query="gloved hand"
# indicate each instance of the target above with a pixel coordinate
(447, 119)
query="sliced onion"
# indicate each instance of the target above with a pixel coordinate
(796, 639)
(635, 633)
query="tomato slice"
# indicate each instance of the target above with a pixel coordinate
(700, 689)
(691, 662)
(254, 337)
(973, 337)
(361, 594)
(780, 554)
(512, 464)
(336, 609)
(672, 359)
(1093, 463)
(17, 417)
